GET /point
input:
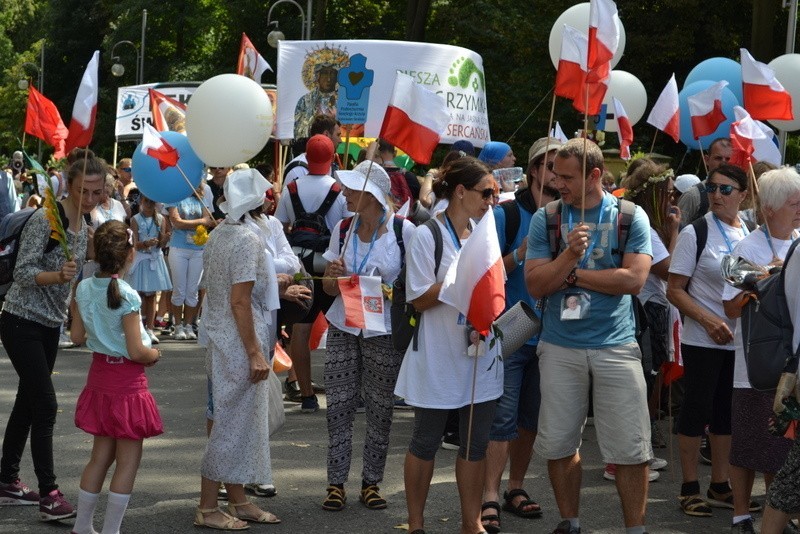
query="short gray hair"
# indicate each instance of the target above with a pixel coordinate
(777, 186)
(575, 148)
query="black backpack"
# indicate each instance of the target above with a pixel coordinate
(10, 233)
(405, 318)
(767, 332)
(310, 230)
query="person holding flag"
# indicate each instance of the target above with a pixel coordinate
(439, 375)
(369, 247)
(604, 259)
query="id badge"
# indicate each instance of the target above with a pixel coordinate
(575, 306)
(476, 343)
(462, 320)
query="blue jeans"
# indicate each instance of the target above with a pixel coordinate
(519, 404)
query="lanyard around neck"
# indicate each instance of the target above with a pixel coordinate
(452, 231)
(595, 233)
(371, 244)
(725, 235)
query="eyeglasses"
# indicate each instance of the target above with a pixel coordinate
(724, 189)
(486, 194)
(216, 168)
(126, 169)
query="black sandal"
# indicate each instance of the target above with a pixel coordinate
(371, 498)
(491, 522)
(519, 510)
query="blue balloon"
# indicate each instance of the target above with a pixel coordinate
(717, 69)
(167, 185)
(728, 102)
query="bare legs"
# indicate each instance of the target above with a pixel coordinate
(301, 357)
(417, 474)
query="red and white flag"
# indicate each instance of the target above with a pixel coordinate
(666, 113)
(157, 147)
(745, 133)
(672, 369)
(363, 302)
(415, 119)
(764, 96)
(557, 133)
(168, 114)
(251, 63)
(81, 125)
(475, 282)
(705, 109)
(43, 120)
(572, 76)
(624, 129)
(603, 32)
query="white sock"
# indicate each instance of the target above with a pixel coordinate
(87, 502)
(115, 511)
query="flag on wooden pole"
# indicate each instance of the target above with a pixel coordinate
(665, 114)
(705, 109)
(168, 114)
(764, 96)
(84, 111)
(42, 120)
(251, 63)
(624, 129)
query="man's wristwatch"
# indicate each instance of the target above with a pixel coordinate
(515, 256)
(572, 278)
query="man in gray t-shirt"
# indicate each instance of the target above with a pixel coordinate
(719, 153)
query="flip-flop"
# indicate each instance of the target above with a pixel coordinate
(519, 510)
(262, 517)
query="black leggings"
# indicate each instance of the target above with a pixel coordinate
(32, 349)
(429, 424)
(708, 387)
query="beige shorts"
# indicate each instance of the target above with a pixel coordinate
(619, 396)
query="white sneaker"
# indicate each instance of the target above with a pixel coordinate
(64, 341)
(153, 338)
(657, 464)
(180, 332)
(189, 331)
(610, 473)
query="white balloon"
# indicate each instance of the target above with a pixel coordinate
(577, 16)
(787, 71)
(628, 90)
(228, 120)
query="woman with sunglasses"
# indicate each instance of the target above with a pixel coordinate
(707, 346)
(438, 376)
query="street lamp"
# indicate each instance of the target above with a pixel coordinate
(118, 69)
(305, 22)
(23, 82)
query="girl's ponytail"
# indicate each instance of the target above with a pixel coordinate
(113, 241)
(113, 297)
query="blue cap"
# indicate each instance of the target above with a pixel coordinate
(464, 146)
(493, 152)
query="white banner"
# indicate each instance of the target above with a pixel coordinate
(133, 105)
(314, 75)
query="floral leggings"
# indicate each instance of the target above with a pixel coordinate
(350, 363)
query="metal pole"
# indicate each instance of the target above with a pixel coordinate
(791, 36)
(310, 14)
(141, 48)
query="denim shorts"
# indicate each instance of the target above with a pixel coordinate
(519, 404)
(619, 397)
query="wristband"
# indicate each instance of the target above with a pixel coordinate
(572, 278)
(516, 258)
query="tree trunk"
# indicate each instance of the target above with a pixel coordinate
(318, 27)
(416, 19)
(762, 42)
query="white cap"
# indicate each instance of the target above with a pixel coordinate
(685, 181)
(244, 191)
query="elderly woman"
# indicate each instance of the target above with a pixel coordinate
(753, 448)
(109, 209)
(707, 345)
(240, 284)
(438, 375)
(35, 307)
(374, 246)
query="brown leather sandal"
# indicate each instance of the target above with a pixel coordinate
(228, 522)
(335, 500)
(262, 517)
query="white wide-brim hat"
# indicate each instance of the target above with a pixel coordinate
(244, 191)
(378, 183)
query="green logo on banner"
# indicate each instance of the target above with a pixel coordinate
(464, 70)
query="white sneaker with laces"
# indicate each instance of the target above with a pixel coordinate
(180, 332)
(657, 464)
(189, 331)
(153, 339)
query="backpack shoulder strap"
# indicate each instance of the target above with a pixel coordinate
(438, 246)
(397, 224)
(703, 208)
(294, 196)
(701, 229)
(343, 227)
(787, 329)
(294, 164)
(513, 220)
(333, 193)
(552, 212)
(625, 213)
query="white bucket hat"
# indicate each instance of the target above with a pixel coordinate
(379, 185)
(244, 191)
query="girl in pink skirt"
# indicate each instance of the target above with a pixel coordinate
(116, 406)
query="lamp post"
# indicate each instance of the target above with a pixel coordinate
(277, 35)
(118, 69)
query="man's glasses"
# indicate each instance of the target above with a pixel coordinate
(126, 169)
(486, 193)
(724, 189)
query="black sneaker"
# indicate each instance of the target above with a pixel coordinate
(292, 390)
(451, 441)
(565, 527)
(743, 527)
(705, 450)
(309, 404)
(17, 494)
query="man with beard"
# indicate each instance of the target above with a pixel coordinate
(516, 416)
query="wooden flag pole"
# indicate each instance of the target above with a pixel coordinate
(358, 205)
(653, 145)
(703, 159)
(472, 401)
(585, 148)
(346, 153)
(757, 206)
(197, 195)
(546, 151)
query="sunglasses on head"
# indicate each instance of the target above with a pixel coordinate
(485, 193)
(724, 189)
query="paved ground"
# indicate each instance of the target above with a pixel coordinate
(168, 483)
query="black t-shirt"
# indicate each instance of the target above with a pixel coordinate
(218, 192)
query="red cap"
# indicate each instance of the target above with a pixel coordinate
(319, 154)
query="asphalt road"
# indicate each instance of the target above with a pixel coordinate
(167, 486)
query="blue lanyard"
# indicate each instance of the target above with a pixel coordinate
(725, 235)
(595, 234)
(769, 241)
(371, 243)
(148, 227)
(451, 230)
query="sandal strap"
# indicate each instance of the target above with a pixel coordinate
(238, 504)
(208, 510)
(513, 494)
(335, 494)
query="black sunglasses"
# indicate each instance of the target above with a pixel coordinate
(216, 168)
(485, 193)
(724, 189)
(126, 169)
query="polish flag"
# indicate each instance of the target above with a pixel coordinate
(705, 109)
(363, 302)
(475, 282)
(558, 133)
(81, 125)
(764, 96)
(745, 133)
(666, 113)
(157, 147)
(251, 63)
(415, 119)
(603, 32)
(318, 332)
(43, 120)
(573, 78)
(168, 114)
(624, 129)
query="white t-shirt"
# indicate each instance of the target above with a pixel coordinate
(439, 375)
(208, 196)
(270, 230)
(312, 191)
(706, 283)
(755, 249)
(100, 215)
(655, 288)
(297, 171)
(384, 261)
